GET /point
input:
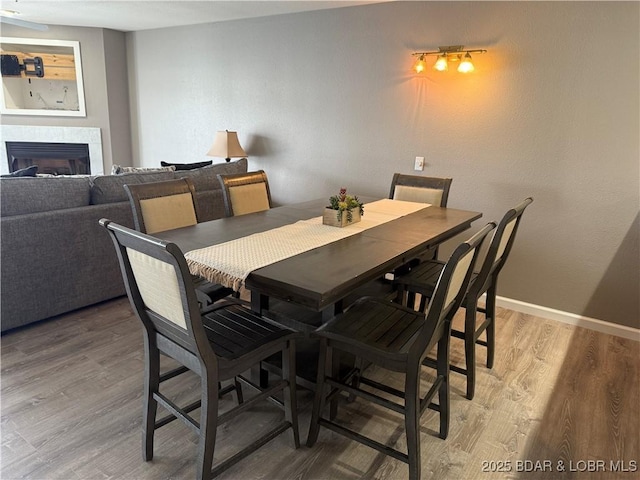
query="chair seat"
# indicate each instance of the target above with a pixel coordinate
(235, 331)
(423, 277)
(375, 329)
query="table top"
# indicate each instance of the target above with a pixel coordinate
(323, 276)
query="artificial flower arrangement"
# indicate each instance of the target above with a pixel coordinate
(346, 203)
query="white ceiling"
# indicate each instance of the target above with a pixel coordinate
(130, 15)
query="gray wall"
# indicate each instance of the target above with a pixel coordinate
(105, 82)
(327, 99)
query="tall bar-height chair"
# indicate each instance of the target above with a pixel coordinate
(245, 193)
(160, 206)
(396, 338)
(415, 188)
(423, 278)
(217, 344)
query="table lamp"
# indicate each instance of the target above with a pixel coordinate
(227, 146)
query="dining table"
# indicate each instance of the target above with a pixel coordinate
(321, 278)
(318, 281)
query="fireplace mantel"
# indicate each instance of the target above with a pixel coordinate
(23, 133)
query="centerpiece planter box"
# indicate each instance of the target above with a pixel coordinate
(343, 210)
(330, 217)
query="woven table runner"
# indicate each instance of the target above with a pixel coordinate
(230, 263)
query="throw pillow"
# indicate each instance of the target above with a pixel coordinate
(117, 169)
(187, 166)
(24, 172)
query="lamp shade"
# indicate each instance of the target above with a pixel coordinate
(227, 146)
(441, 63)
(465, 65)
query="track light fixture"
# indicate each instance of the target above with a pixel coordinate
(451, 53)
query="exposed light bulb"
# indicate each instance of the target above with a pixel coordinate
(441, 63)
(419, 65)
(465, 65)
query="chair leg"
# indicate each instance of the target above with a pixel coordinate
(443, 372)
(411, 300)
(289, 394)
(208, 426)
(238, 386)
(491, 328)
(150, 404)
(470, 346)
(334, 357)
(412, 420)
(319, 399)
(355, 379)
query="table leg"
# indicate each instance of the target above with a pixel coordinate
(331, 311)
(260, 302)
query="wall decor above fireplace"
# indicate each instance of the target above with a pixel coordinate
(47, 79)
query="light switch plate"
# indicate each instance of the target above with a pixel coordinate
(419, 165)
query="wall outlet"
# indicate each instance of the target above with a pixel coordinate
(419, 165)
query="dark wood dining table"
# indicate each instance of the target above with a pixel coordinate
(307, 289)
(320, 279)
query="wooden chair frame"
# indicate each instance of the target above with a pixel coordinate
(396, 338)
(211, 346)
(236, 179)
(423, 278)
(417, 181)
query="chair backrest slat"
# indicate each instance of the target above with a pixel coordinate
(509, 228)
(458, 277)
(158, 286)
(249, 198)
(417, 194)
(167, 213)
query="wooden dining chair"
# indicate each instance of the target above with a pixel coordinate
(218, 344)
(245, 192)
(416, 188)
(396, 338)
(160, 206)
(422, 280)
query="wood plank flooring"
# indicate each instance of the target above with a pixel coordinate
(71, 409)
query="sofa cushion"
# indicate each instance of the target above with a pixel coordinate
(110, 188)
(187, 166)
(21, 195)
(205, 178)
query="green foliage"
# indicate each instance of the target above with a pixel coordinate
(345, 203)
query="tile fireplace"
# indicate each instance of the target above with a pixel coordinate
(60, 150)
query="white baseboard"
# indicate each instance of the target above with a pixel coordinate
(570, 318)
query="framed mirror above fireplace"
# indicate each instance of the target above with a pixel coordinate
(41, 77)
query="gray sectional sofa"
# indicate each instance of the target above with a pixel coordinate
(54, 257)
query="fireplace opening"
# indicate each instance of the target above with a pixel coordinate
(51, 158)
